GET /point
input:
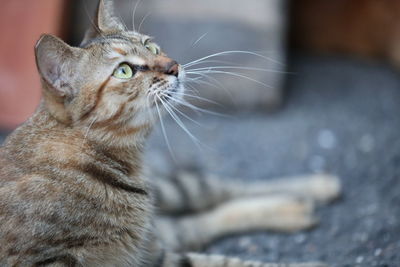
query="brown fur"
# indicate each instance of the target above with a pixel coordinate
(72, 188)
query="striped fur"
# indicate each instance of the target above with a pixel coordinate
(185, 192)
(72, 187)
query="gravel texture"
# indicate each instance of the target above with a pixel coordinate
(342, 117)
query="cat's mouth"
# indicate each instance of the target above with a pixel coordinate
(170, 93)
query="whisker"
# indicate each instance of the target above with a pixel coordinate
(209, 61)
(232, 74)
(199, 39)
(239, 68)
(194, 108)
(198, 79)
(192, 89)
(143, 20)
(183, 114)
(195, 91)
(88, 129)
(134, 13)
(179, 121)
(198, 97)
(218, 84)
(202, 75)
(233, 52)
(94, 27)
(91, 19)
(164, 131)
(120, 19)
(149, 107)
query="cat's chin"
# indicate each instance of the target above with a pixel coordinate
(170, 95)
(174, 94)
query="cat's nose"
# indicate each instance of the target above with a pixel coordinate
(172, 68)
(166, 66)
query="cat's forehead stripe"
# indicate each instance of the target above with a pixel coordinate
(135, 60)
(120, 51)
(105, 39)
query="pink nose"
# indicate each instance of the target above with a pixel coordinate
(166, 65)
(173, 69)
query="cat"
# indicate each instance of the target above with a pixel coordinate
(72, 186)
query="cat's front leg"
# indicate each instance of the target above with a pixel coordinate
(277, 212)
(189, 192)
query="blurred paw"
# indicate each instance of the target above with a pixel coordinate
(281, 212)
(324, 187)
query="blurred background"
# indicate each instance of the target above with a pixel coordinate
(322, 96)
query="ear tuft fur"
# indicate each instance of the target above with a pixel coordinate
(105, 21)
(55, 61)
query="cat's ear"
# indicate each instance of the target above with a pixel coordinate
(56, 64)
(104, 22)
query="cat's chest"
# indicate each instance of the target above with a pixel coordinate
(125, 223)
(130, 212)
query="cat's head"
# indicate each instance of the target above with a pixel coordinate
(116, 79)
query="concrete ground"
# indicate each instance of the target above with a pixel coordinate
(342, 117)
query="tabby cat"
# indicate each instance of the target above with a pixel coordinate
(72, 188)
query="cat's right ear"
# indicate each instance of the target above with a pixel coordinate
(56, 64)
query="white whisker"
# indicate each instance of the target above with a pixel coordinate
(209, 61)
(143, 20)
(230, 73)
(198, 97)
(164, 131)
(181, 113)
(203, 75)
(88, 129)
(194, 108)
(134, 13)
(239, 68)
(199, 39)
(232, 52)
(179, 121)
(217, 85)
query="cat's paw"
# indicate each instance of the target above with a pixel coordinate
(280, 212)
(324, 187)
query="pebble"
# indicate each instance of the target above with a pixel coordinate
(300, 238)
(326, 139)
(378, 252)
(359, 259)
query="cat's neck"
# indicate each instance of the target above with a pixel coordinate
(93, 133)
(43, 128)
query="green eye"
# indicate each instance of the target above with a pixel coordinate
(124, 71)
(153, 48)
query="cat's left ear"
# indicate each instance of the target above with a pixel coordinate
(105, 21)
(56, 62)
